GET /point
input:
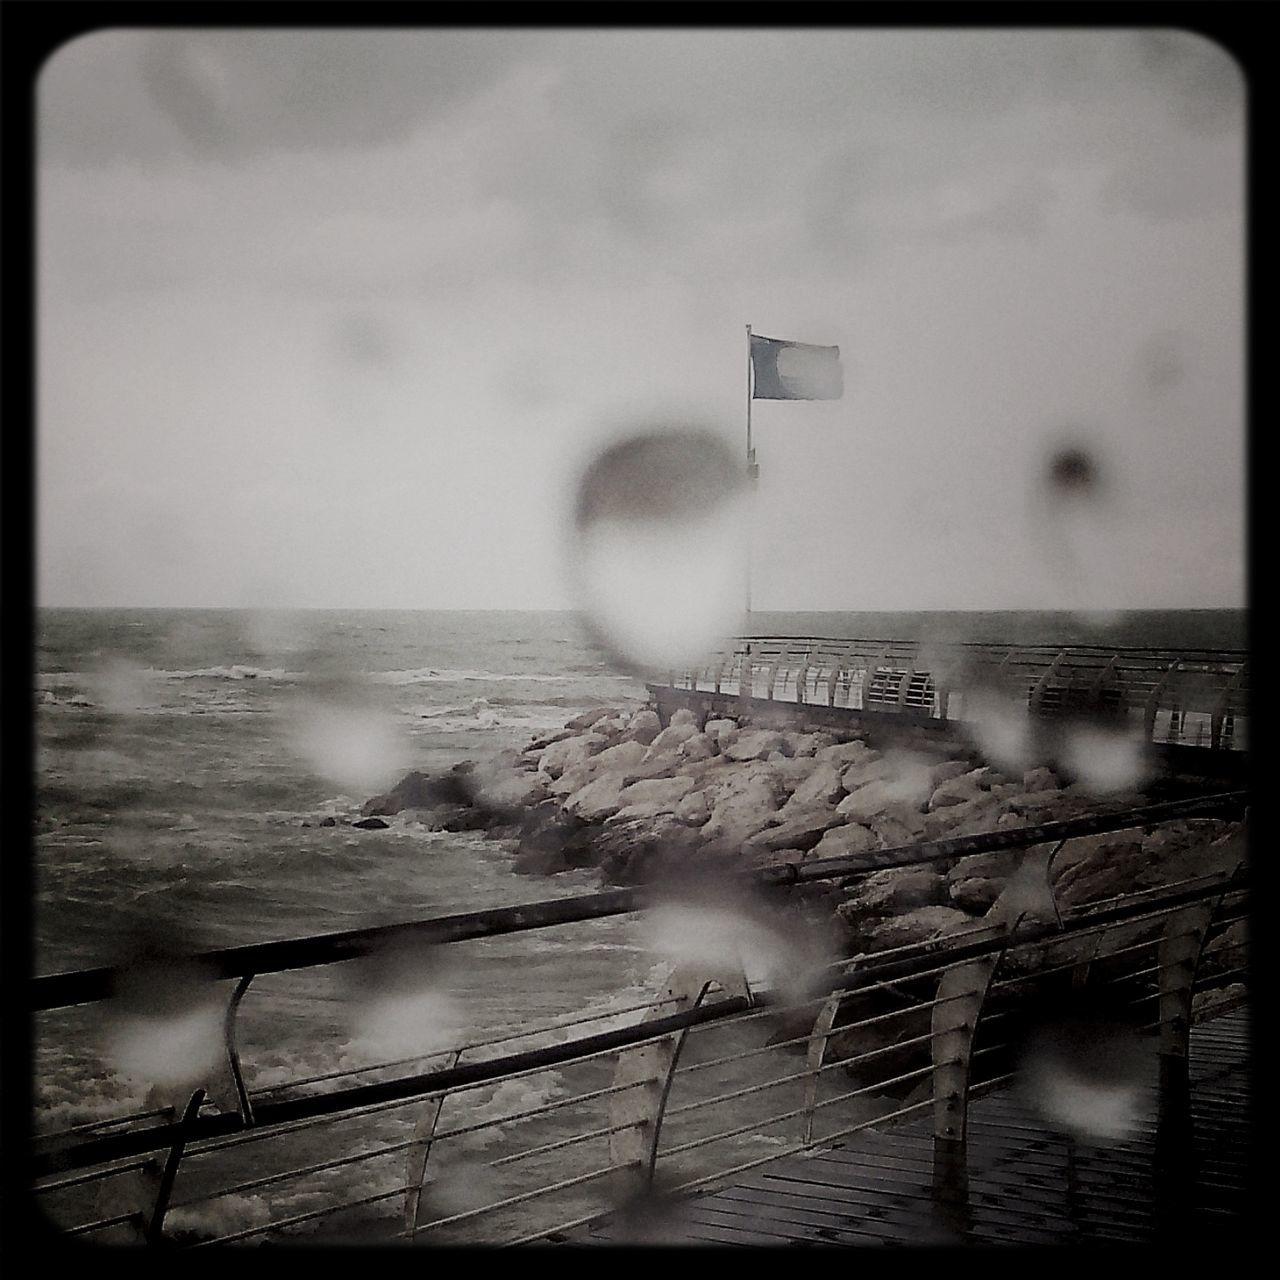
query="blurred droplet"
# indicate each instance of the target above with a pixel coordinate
(165, 1021)
(1105, 759)
(1000, 728)
(658, 548)
(1089, 1072)
(400, 1006)
(334, 727)
(1073, 472)
(717, 929)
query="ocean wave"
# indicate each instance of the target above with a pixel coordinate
(430, 675)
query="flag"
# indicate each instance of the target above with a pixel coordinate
(795, 371)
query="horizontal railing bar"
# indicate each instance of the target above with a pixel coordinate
(521, 1198)
(96, 1175)
(83, 986)
(557, 1024)
(327, 1212)
(104, 1223)
(467, 1075)
(303, 1172)
(560, 1143)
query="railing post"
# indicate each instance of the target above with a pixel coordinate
(424, 1132)
(819, 1038)
(649, 1070)
(1179, 954)
(155, 1227)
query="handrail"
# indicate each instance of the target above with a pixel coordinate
(65, 1156)
(83, 986)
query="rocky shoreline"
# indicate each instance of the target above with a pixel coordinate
(619, 791)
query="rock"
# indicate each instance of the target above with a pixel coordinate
(997, 866)
(505, 792)
(328, 821)
(919, 925)
(961, 789)
(977, 815)
(694, 809)
(947, 770)
(588, 718)
(897, 827)
(975, 894)
(845, 841)
(371, 824)
(821, 783)
(809, 744)
(721, 731)
(1095, 867)
(872, 798)
(671, 737)
(571, 751)
(633, 851)
(551, 838)
(1041, 779)
(420, 791)
(682, 715)
(873, 768)
(599, 799)
(844, 754)
(619, 757)
(742, 812)
(755, 744)
(896, 889)
(699, 747)
(650, 797)
(644, 726)
(802, 829)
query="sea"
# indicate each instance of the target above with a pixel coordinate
(197, 774)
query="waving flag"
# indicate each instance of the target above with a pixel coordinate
(794, 370)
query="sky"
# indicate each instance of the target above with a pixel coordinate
(339, 319)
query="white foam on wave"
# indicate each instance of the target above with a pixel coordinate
(431, 675)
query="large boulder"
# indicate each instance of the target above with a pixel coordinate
(589, 718)
(822, 783)
(756, 744)
(599, 799)
(698, 747)
(694, 809)
(844, 754)
(962, 789)
(895, 889)
(980, 814)
(635, 850)
(873, 798)
(845, 841)
(670, 738)
(721, 731)
(568, 752)
(652, 796)
(422, 791)
(742, 810)
(644, 726)
(809, 744)
(801, 828)
(918, 925)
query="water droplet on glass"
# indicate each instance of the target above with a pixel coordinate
(343, 738)
(1105, 760)
(165, 1021)
(658, 547)
(1089, 1073)
(400, 1006)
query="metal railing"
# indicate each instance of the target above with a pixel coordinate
(1187, 697)
(711, 1078)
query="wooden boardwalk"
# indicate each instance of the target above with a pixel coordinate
(1027, 1186)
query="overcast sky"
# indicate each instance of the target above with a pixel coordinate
(337, 318)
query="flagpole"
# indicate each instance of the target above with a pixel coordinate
(752, 475)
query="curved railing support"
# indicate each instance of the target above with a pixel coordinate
(243, 1104)
(961, 994)
(155, 1226)
(424, 1132)
(649, 1069)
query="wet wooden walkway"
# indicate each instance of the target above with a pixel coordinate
(1027, 1186)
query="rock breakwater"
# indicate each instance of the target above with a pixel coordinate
(637, 799)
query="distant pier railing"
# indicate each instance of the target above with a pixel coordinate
(712, 1077)
(1184, 697)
